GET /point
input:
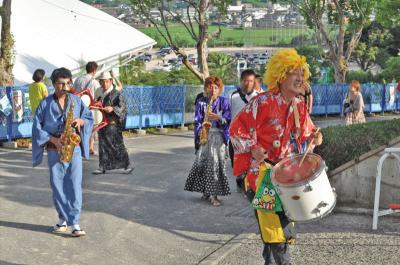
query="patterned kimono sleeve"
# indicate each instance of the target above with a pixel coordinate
(119, 108)
(198, 120)
(39, 136)
(86, 131)
(243, 136)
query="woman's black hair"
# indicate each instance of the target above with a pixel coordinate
(38, 75)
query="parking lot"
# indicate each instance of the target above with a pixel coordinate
(246, 57)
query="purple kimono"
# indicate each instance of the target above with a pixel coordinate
(220, 107)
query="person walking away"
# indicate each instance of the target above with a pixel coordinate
(88, 81)
(37, 90)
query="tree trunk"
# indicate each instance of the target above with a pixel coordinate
(340, 68)
(7, 43)
(203, 38)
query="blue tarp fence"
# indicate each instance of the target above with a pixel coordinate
(158, 106)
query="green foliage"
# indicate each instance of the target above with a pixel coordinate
(388, 13)
(182, 76)
(224, 66)
(374, 40)
(342, 144)
(362, 76)
(392, 69)
(342, 16)
(134, 74)
(314, 59)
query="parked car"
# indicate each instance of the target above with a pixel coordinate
(262, 60)
(173, 61)
(167, 50)
(166, 67)
(193, 60)
(144, 58)
(161, 54)
(241, 64)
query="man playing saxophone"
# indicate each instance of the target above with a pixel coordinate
(211, 125)
(52, 131)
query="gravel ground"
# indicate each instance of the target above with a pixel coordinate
(338, 239)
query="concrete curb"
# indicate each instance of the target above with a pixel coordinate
(220, 254)
(350, 210)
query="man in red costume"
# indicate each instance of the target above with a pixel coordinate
(273, 126)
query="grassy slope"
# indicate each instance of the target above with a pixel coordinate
(229, 36)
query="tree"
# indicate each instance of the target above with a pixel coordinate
(315, 60)
(388, 13)
(7, 44)
(392, 70)
(196, 14)
(374, 39)
(331, 20)
(224, 66)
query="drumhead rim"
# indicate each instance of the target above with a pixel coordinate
(301, 183)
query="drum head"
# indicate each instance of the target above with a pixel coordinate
(288, 171)
(97, 116)
(86, 100)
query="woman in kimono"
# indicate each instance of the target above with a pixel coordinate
(112, 151)
(47, 133)
(208, 175)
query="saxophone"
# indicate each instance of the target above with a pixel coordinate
(206, 123)
(71, 138)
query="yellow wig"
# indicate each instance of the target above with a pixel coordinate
(281, 63)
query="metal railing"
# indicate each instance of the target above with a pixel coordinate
(158, 106)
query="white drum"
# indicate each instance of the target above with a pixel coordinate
(97, 117)
(86, 100)
(305, 191)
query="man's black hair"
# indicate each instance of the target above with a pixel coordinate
(247, 72)
(60, 73)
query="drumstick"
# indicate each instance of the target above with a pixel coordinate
(308, 149)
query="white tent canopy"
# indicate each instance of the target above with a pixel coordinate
(68, 33)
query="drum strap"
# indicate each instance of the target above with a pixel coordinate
(296, 117)
(297, 125)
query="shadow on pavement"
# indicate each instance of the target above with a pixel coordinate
(2, 262)
(152, 195)
(25, 226)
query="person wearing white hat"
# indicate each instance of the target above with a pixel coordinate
(112, 152)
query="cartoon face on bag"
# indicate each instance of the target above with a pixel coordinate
(268, 196)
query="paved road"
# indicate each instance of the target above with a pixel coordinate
(147, 218)
(143, 218)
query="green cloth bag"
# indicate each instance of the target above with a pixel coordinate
(266, 198)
